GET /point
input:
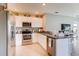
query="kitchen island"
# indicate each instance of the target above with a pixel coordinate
(58, 46)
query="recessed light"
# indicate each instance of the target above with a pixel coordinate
(43, 4)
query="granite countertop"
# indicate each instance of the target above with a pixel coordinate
(49, 35)
(45, 33)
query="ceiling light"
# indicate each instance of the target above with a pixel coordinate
(43, 4)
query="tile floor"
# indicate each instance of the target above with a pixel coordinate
(29, 50)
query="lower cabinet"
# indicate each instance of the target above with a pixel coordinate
(48, 44)
(18, 40)
(34, 38)
(63, 47)
(42, 41)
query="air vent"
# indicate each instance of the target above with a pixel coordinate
(56, 12)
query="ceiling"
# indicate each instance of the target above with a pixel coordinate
(66, 9)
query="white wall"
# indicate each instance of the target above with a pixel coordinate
(53, 22)
(3, 37)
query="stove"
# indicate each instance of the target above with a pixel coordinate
(26, 33)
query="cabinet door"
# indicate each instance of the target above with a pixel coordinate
(37, 22)
(42, 41)
(18, 38)
(18, 21)
(34, 38)
(62, 47)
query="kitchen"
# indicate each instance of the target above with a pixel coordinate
(25, 30)
(32, 27)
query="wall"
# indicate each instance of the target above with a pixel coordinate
(3, 32)
(53, 22)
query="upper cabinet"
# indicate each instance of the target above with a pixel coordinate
(36, 22)
(20, 19)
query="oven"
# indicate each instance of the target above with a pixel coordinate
(27, 36)
(26, 33)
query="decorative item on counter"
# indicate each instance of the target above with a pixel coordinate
(61, 34)
(40, 29)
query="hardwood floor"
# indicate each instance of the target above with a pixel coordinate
(30, 50)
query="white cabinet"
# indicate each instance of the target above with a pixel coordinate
(63, 47)
(42, 40)
(19, 20)
(37, 22)
(34, 38)
(18, 40)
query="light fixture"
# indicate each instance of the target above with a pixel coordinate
(43, 4)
